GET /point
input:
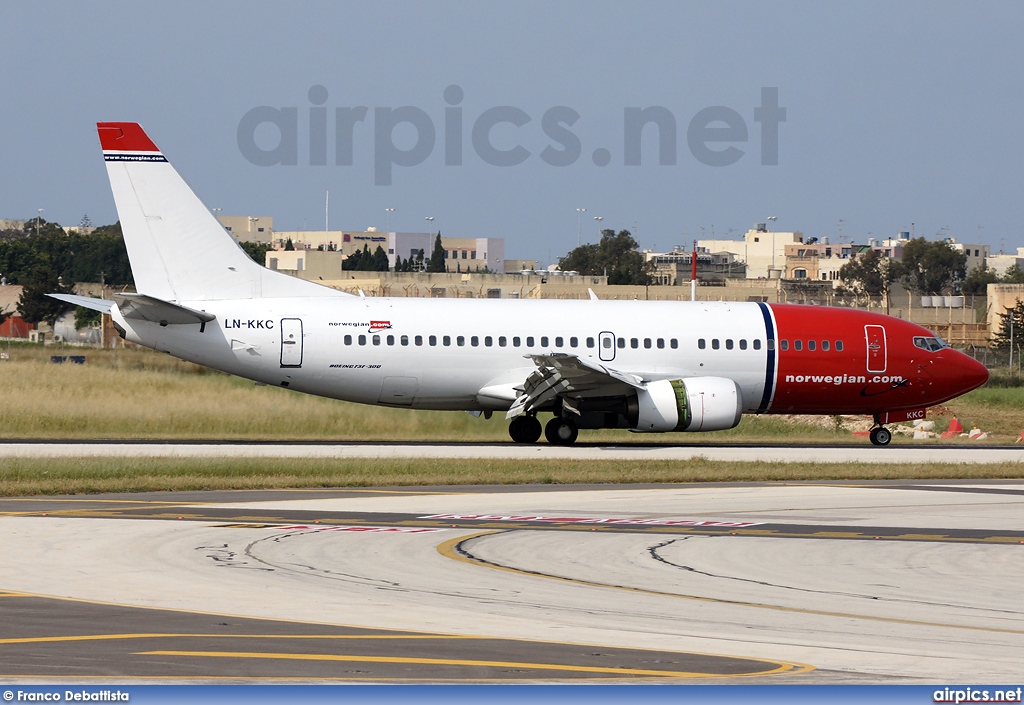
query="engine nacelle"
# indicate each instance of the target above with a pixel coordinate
(692, 404)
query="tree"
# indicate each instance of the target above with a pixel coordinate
(1013, 275)
(978, 280)
(931, 267)
(379, 262)
(34, 304)
(436, 261)
(868, 273)
(617, 255)
(257, 251)
(1011, 327)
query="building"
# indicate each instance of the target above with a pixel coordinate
(13, 326)
(820, 261)
(976, 254)
(675, 268)
(762, 250)
(461, 254)
(249, 228)
(1001, 263)
(315, 265)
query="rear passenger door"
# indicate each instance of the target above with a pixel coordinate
(606, 346)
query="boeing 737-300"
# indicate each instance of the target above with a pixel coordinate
(648, 366)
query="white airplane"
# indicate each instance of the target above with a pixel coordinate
(642, 365)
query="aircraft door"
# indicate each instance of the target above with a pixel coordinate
(606, 346)
(291, 342)
(875, 337)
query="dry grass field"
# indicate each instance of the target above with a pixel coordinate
(141, 394)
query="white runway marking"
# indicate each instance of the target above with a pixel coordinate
(508, 451)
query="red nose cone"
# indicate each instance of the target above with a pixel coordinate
(972, 373)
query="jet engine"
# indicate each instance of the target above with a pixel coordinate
(692, 404)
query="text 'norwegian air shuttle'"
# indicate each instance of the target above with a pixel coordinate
(649, 366)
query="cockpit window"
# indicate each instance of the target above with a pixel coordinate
(933, 344)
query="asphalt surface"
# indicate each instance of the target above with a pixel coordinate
(895, 581)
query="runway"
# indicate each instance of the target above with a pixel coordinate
(875, 582)
(779, 453)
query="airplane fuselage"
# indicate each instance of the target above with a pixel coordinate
(470, 354)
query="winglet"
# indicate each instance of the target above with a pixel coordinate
(593, 296)
(124, 137)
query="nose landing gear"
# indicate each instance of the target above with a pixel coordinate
(880, 436)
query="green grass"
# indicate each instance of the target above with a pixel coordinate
(46, 476)
(141, 394)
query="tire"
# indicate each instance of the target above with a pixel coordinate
(561, 432)
(880, 436)
(524, 429)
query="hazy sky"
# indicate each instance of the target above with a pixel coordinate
(895, 113)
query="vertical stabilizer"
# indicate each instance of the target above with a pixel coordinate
(178, 250)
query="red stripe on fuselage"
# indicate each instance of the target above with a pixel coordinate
(124, 137)
(860, 379)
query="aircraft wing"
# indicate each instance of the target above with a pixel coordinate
(568, 376)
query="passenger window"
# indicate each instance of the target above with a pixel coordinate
(502, 341)
(674, 343)
(743, 344)
(574, 342)
(543, 341)
(362, 340)
(661, 343)
(405, 340)
(798, 345)
(839, 346)
(529, 341)
(621, 342)
(606, 343)
(647, 343)
(701, 343)
(515, 342)
(714, 344)
(728, 343)
(432, 340)
(558, 342)
(348, 340)
(634, 343)
(590, 342)
(460, 340)
(824, 345)
(811, 345)
(488, 341)
(447, 340)
(757, 345)
(784, 344)
(474, 341)
(376, 340)
(391, 340)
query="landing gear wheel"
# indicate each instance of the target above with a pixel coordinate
(880, 436)
(524, 429)
(561, 432)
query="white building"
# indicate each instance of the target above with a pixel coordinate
(763, 250)
(249, 228)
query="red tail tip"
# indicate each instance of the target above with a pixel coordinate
(124, 137)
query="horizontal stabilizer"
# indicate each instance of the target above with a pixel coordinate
(149, 308)
(101, 305)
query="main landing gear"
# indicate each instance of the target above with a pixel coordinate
(561, 431)
(880, 436)
(524, 429)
